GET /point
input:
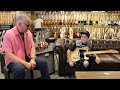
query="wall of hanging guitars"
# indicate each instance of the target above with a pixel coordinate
(8, 17)
(101, 24)
(80, 17)
(96, 31)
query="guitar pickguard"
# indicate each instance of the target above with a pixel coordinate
(75, 55)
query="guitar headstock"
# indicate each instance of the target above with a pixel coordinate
(112, 51)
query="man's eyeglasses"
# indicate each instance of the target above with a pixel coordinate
(27, 24)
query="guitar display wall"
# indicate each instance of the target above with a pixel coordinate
(79, 17)
(96, 31)
(8, 17)
(101, 24)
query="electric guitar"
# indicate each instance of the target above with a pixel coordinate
(75, 55)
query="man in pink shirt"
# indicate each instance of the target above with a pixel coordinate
(20, 52)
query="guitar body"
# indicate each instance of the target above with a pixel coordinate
(75, 55)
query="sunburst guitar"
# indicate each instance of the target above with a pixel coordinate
(75, 55)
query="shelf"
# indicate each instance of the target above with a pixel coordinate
(59, 26)
(5, 27)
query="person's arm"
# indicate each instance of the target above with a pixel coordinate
(7, 49)
(14, 58)
(69, 58)
(68, 55)
(33, 53)
(33, 57)
(97, 59)
(71, 48)
(33, 50)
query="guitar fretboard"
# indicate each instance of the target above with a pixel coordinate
(101, 52)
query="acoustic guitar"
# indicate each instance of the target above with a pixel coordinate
(75, 55)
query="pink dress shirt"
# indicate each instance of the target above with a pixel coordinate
(13, 43)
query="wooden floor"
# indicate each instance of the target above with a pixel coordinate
(97, 74)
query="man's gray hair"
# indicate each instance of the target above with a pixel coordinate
(22, 18)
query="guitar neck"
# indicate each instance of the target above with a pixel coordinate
(75, 57)
(97, 52)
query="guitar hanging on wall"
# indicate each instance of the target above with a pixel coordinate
(79, 52)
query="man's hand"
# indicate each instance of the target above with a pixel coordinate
(27, 65)
(33, 63)
(71, 63)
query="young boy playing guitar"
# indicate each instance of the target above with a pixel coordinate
(82, 42)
